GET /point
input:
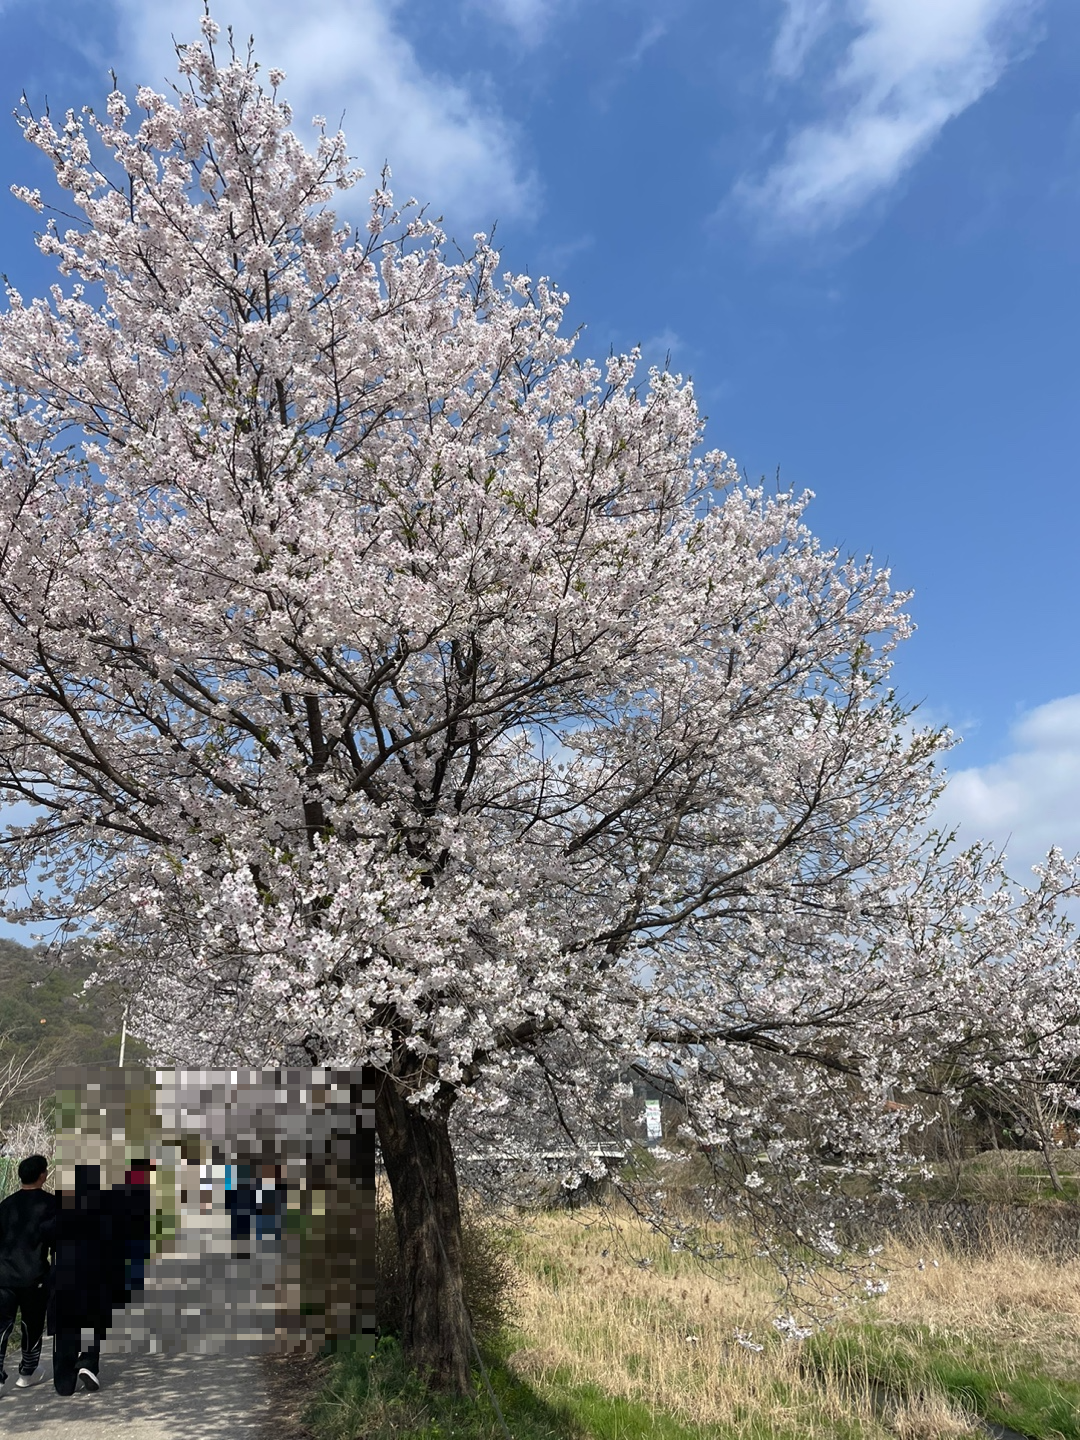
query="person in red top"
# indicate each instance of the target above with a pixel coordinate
(134, 1201)
(27, 1234)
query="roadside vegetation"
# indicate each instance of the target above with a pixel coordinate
(1004, 1177)
(593, 1328)
(48, 1021)
(618, 1336)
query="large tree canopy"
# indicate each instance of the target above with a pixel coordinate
(392, 687)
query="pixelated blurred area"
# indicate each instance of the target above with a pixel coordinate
(246, 1203)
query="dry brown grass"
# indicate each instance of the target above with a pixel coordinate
(1014, 1300)
(929, 1417)
(665, 1332)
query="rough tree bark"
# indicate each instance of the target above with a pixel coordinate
(419, 1160)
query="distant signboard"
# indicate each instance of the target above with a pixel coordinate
(653, 1128)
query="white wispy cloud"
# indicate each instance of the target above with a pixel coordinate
(447, 143)
(803, 25)
(905, 68)
(1028, 800)
(528, 18)
(665, 349)
(652, 32)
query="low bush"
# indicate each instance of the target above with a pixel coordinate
(490, 1276)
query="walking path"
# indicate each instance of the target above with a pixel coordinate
(215, 1304)
(148, 1397)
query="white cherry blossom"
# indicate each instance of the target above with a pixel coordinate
(395, 688)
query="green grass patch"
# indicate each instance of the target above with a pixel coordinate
(1009, 1388)
(377, 1397)
(1004, 1177)
(586, 1411)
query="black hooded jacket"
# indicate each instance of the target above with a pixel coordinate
(88, 1274)
(28, 1221)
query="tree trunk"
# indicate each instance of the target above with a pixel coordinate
(1046, 1144)
(419, 1162)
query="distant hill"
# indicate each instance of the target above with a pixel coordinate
(42, 1007)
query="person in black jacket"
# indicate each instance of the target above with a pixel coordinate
(88, 1277)
(240, 1202)
(27, 1234)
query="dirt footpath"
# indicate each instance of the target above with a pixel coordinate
(193, 1295)
(149, 1397)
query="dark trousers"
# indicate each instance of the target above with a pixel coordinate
(31, 1303)
(268, 1223)
(240, 1204)
(68, 1360)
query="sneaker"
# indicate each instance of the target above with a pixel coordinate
(89, 1379)
(34, 1378)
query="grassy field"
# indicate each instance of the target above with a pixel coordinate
(951, 1339)
(619, 1337)
(1004, 1177)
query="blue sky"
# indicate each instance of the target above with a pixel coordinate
(855, 223)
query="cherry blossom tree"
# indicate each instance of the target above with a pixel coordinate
(392, 687)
